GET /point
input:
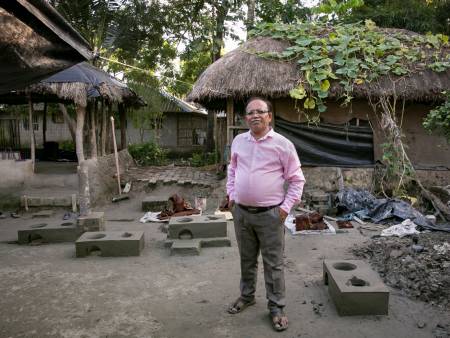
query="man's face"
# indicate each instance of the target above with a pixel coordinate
(259, 118)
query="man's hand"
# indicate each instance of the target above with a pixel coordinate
(283, 215)
(230, 204)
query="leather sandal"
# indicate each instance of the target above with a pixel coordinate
(279, 320)
(239, 305)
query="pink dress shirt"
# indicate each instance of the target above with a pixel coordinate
(259, 168)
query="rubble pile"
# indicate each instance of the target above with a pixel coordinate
(419, 266)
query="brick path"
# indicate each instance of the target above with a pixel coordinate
(172, 175)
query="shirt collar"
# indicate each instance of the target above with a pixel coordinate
(249, 136)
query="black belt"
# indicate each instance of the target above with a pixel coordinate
(256, 210)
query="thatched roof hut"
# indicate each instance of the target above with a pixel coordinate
(36, 41)
(252, 69)
(242, 73)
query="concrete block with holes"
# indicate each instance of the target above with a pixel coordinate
(355, 288)
(188, 234)
(197, 226)
(95, 221)
(110, 243)
(49, 233)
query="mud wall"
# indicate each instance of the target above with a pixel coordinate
(14, 173)
(102, 176)
(426, 151)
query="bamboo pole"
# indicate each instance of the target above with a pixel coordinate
(116, 155)
(104, 124)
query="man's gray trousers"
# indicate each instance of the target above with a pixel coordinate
(263, 232)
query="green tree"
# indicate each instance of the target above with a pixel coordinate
(416, 15)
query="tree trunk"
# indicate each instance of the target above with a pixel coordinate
(31, 129)
(250, 23)
(83, 189)
(123, 126)
(71, 124)
(217, 43)
(81, 112)
(93, 138)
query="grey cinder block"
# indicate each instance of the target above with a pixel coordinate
(49, 233)
(110, 243)
(355, 288)
(197, 226)
(95, 221)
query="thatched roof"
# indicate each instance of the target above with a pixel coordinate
(36, 41)
(241, 73)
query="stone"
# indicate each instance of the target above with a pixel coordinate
(197, 226)
(355, 288)
(54, 233)
(43, 214)
(95, 221)
(153, 204)
(110, 243)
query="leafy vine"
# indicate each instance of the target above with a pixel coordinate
(351, 54)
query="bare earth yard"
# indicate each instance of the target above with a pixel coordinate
(47, 292)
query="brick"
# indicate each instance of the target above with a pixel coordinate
(95, 221)
(197, 226)
(63, 232)
(110, 243)
(355, 288)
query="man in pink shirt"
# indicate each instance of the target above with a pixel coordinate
(262, 161)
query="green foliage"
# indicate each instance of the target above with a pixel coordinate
(337, 9)
(202, 159)
(416, 15)
(438, 119)
(288, 11)
(66, 145)
(397, 170)
(350, 54)
(148, 154)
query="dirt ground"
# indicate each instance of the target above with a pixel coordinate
(47, 292)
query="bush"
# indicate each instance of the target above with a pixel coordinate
(202, 159)
(148, 153)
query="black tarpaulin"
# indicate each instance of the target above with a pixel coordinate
(35, 42)
(85, 73)
(329, 145)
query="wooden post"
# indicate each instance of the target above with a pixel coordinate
(81, 112)
(123, 126)
(44, 124)
(93, 138)
(230, 124)
(31, 128)
(103, 138)
(116, 155)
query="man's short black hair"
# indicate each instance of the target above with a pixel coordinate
(267, 102)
